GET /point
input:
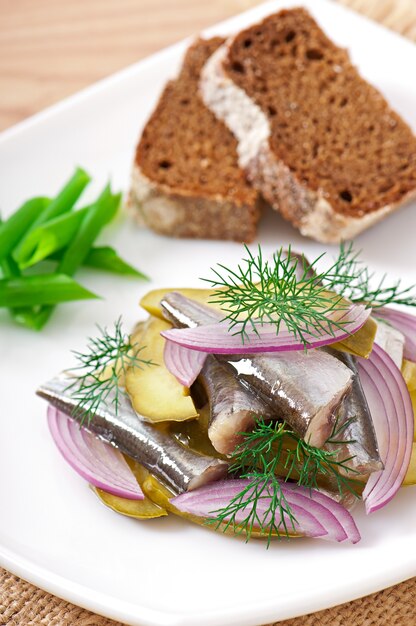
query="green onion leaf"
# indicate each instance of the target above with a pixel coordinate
(15, 227)
(62, 203)
(106, 258)
(50, 237)
(26, 291)
(101, 212)
(10, 269)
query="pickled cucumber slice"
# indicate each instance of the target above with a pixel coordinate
(409, 374)
(194, 434)
(361, 342)
(154, 392)
(410, 478)
(139, 509)
(151, 301)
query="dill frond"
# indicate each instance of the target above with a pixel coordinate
(277, 519)
(286, 293)
(353, 280)
(269, 451)
(100, 368)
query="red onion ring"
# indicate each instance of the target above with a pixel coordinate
(316, 514)
(97, 462)
(392, 412)
(218, 339)
(184, 364)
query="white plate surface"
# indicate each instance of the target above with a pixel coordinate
(53, 531)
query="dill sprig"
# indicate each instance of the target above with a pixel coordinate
(259, 464)
(353, 280)
(286, 292)
(293, 456)
(262, 486)
(272, 449)
(314, 464)
(289, 292)
(100, 369)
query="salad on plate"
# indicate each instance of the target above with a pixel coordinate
(268, 404)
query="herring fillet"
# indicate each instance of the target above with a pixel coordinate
(303, 388)
(233, 409)
(160, 453)
(391, 340)
(357, 439)
(186, 313)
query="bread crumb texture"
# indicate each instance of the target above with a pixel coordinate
(184, 146)
(335, 133)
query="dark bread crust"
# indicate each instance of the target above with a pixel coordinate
(187, 181)
(333, 136)
(181, 215)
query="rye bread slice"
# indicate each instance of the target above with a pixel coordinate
(320, 143)
(186, 179)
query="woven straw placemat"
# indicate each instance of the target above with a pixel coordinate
(22, 604)
(26, 605)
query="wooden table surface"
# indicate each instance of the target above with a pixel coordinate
(50, 49)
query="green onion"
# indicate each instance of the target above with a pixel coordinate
(16, 226)
(44, 229)
(60, 232)
(62, 203)
(106, 258)
(101, 212)
(10, 269)
(50, 237)
(26, 316)
(27, 291)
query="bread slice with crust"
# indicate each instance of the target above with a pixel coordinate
(320, 143)
(186, 180)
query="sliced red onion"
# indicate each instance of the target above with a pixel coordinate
(184, 364)
(218, 339)
(392, 413)
(97, 462)
(404, 322)
(316, 514)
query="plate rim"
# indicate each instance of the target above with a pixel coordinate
(126, 612)
(98, 602)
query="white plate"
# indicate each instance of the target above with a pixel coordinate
(53, 531)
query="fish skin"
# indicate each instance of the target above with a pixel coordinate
(359, 433)
(347, 499)
(233, 409)
(302, 388)
(185, 313)
(391, 340)
(292, 384)
(159, 452)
